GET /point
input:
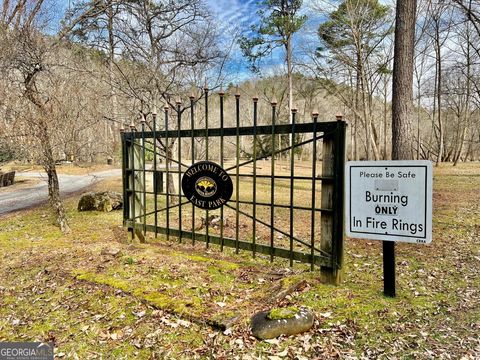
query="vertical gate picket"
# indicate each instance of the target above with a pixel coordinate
(254, 211)
(167, 171)
(155, 191)
(272, 182)
(192, 126)
(314, 186)
(143, 120)
(292, 181)
(237, 178)
(221, 95)
(207, 229)
(179, 166)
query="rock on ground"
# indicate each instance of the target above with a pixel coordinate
(102, 201)
(265, 328)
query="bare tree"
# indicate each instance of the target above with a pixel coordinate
(28, 60)
(156, 49)
(354, 41)
(471, 10)
(27, 53)
(440, 16)
(402, 94)
(279, 21)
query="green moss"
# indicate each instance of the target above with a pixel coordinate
(160, 300)
(181, 301)
(220, 276)
(102, 279)
(282, 313)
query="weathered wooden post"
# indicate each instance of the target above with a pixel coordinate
(332, 235)
(136, 184)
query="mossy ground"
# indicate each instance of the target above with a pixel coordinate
(282, 313)
(159, 300)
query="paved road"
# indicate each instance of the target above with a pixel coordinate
(18, 199)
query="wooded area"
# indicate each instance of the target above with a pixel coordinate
(113, 61)
(68, 88)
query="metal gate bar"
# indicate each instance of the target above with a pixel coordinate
(272, 181)
(237, 178)
(222, 135)
(207, 225)
(167, 165)
(280, 129)
(292, 180)
(277, 152)
(254, 200)
(314, 186)
(192, 125)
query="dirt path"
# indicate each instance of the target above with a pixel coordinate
(25, 197)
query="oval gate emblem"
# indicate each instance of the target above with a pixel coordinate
(206, 185)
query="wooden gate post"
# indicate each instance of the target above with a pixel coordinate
(136, 205)
(332, 232)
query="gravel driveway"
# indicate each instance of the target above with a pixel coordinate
(18, 199)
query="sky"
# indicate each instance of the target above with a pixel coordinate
(234, 17)
(238, 15)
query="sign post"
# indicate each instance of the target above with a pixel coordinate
(389, 268)
(389, 201)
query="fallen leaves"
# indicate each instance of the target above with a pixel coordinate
(175, 323)
(434, 315)
(139, 314)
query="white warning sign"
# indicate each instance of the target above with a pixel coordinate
(389, 200)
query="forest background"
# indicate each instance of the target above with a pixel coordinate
(76, 73)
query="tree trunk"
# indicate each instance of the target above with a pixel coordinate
(290, 85)
(385, 115)
(402, 93)
(353, 128)
(373, 141)
(47, 150)
(466, 119)
(419, 104)
(356, 119)
(111, 74)
(53, 185)
(54, 198)
(439, 96)
(361, 87)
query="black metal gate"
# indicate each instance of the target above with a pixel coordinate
(286, 203)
